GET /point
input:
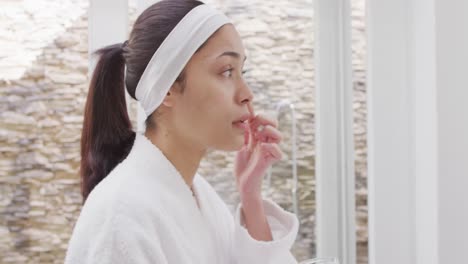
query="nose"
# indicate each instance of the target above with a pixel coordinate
(245, 94)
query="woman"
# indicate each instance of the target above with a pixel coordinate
(183, 63)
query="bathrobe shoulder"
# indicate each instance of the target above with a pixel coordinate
(143, 212)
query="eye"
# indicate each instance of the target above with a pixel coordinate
(228, 73)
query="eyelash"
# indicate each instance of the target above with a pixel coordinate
(231, 69)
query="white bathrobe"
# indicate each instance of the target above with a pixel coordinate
(143, 212)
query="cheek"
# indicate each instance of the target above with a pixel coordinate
(219, 102)
(216, 115)
(208, 105)
(217, 99)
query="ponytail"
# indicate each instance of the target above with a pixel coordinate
(107, 135)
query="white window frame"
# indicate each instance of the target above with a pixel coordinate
(335, 175)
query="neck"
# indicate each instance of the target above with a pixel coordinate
(183, 155)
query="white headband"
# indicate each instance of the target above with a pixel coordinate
(174, 53)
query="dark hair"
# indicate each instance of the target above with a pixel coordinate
(107, 135)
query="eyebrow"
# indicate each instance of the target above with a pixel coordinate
(231, 54)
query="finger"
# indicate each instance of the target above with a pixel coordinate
(246, 137)
(269, 135)
(271, 151)
(242, 156)
(250, 140)
(263, 120)
(250, 109)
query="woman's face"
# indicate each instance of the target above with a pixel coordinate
(215, 96)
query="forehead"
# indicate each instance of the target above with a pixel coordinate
(224, 39)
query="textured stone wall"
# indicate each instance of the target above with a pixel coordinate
(40, 124)
(41, 114)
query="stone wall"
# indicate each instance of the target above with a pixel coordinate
(40, 124)
(41, 115)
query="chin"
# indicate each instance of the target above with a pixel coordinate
(239, 143)
(234, 144)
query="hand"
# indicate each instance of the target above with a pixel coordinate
(260, 151)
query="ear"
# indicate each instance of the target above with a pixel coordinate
(168, 99)
(171, 96)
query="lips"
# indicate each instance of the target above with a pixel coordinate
(242, 122)
(241, 125)
(243, 118)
